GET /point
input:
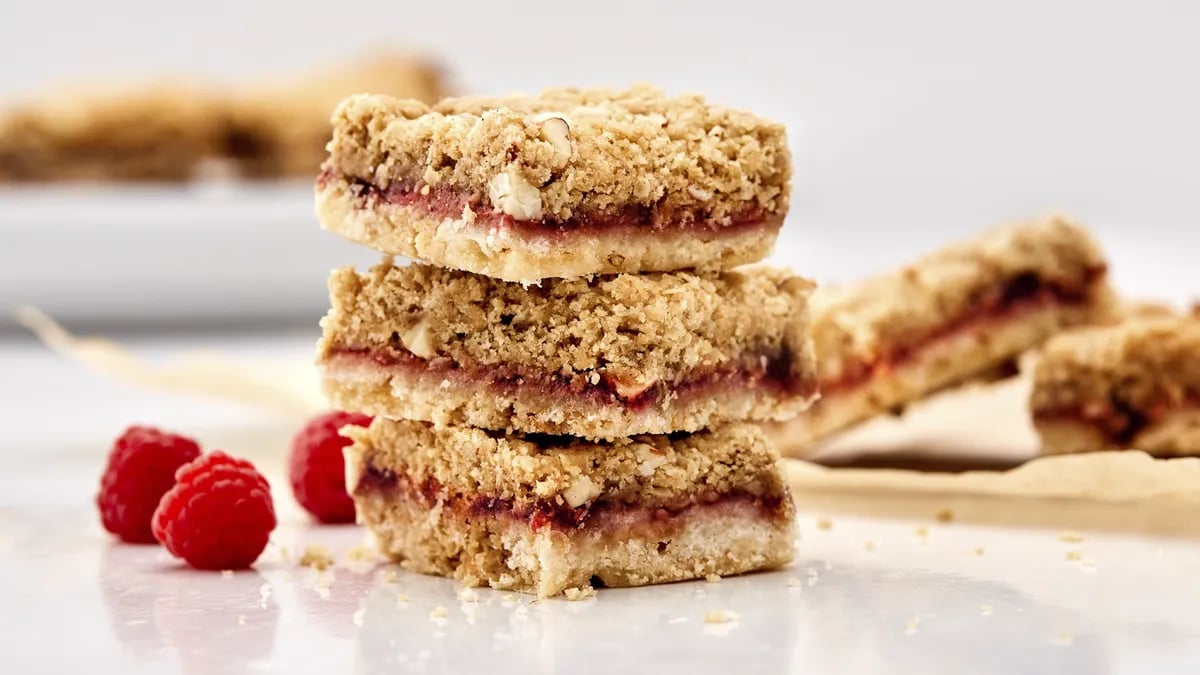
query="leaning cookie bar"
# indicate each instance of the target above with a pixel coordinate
(958, 314)
(604, 357)
(566, 183)
(1131, 386)
(543, 514)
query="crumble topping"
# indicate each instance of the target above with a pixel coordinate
(569, 150)
(734, 458)
(636, 329)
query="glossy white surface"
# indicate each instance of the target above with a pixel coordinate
(864, 596)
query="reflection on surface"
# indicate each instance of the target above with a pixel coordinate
(222, 623)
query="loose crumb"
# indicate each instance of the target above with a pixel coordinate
(316, 557)
(1070, 537)
(911, 626)
(824, 524)
(713, 578)
(388, 576)
(1064, 638)
(360, 554)
(870, 545)
(401, 598)
(986, 610)
(721, 616)
(580, 593)
(921, 531)
(468, 594)
(978, 550)
(944, 515)
(1075, 555)
(439, 612)
(283, 553)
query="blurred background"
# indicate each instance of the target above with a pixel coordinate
(911, 123)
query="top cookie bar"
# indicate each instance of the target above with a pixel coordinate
(567, 183)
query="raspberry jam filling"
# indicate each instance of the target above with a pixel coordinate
(1118, 421)
(1023, 293)
(774, 373)
(447, 203)
(543, 513)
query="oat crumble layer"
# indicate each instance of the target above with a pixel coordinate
(602, 357)
(541, 514)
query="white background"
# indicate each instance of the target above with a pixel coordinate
(910, 121)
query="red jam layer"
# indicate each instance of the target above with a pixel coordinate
(545, 513)
(445, 203)
(1118, 421)
(777, 376)
(1021, 294)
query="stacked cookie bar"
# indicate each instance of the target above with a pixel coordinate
(565, 384)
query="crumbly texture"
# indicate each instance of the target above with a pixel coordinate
(600, 357)
(581, 150)
(461, 242)
(651, 470)
(952, 361)
(1137, 384)
(861, 322)
(174, 132)
(153, 133)
(639, 546)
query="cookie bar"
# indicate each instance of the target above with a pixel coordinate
(541, 514)
(950, 317)
(281, 128)
(566, 183)
(604, 357)
(150, 133)
(1135, 385)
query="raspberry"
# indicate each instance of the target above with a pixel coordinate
(141, 468)
(219, 514)
(317, 469)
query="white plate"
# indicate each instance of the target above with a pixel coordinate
(150, 254)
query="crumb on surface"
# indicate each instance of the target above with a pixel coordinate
(824, 524)
(580, 593)
(870, 545)
(944, 515)
(978, 550)
(921, 531)
(316, 557)
(911, 626)
(795, 582)
(361, 553)
(241, 619)
(388, 576)
(1070, 537)
(986, 610)
(1074, 555)
(1064, 638)
(468, 594)
(438, 612)
(721, 616)
(401, 598)
(712, 578)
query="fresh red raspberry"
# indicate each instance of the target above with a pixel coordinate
(318, 470)
(141, 468)
(219, 514)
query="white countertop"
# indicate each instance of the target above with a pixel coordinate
(865, 596)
